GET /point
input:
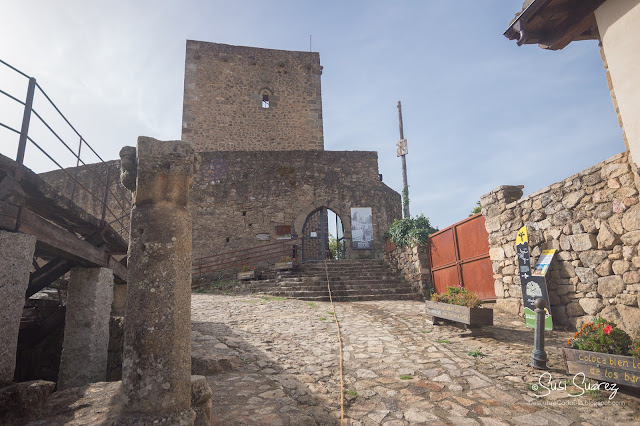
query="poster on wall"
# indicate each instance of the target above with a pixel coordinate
(361, 228)
(534, 285)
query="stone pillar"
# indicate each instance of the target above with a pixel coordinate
(156, 367)
(86, 328)
(119, 300)
(16, 255)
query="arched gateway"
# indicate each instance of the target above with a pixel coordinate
(323, 236)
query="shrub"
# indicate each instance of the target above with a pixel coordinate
(411, 231)
(601, 336)
(458, 296)
(635, 346)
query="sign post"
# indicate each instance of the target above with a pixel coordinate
(402, 151)
(533, 282)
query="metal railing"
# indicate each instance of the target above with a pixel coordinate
(245, 257)
(103, 192)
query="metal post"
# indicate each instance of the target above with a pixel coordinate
(105, 199)
(405, 190)
(24, 131)
(538, 355)
(75, 179)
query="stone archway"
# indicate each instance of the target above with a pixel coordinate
(313, 229)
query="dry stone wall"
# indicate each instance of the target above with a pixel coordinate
(224, 88)
(592, 219)
(413, 265)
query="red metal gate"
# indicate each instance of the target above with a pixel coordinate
(459, 255)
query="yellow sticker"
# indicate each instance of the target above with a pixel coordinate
(522, 236)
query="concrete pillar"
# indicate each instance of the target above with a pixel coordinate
(16, 255)
(156, 367)
(86, 328)
(619, 29)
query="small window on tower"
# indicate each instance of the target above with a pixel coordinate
(265, 101)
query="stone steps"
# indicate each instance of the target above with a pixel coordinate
(351, 280)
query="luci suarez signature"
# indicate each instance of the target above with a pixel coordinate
(546, 382)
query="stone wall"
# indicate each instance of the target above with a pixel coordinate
(223, 92)
(592, 219)
(240, 195)
(89, 196)
(413, 265)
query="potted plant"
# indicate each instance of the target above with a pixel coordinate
(603, 351)
(284, 264)
(459, 305)
(246, 273)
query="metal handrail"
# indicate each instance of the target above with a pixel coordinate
(122, 200)
(241, 257)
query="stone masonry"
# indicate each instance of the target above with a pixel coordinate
(240, 195)
(412, 262)
(86, 329)
(592, 219)
(156, 367)
(224, 88)
(16, 254)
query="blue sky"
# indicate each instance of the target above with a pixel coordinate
(479, 112)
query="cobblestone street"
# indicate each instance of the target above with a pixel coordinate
(276, 362)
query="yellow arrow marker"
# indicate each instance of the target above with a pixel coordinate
(522, 236)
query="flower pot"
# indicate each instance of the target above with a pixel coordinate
(461, 314)
(620, 369)
(284, 266)
(247, 275)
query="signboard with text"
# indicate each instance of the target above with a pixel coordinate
(534, 283)
(361, 228)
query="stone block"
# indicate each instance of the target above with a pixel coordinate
(606, 238)
(508, 305)
(21, 402)
(631, 238)
(16, 255)
(574, 309)
(610, 286)
(592, 257)
(613, 170)
(86, 329)
(566, 269)
(201, 400)
(586, 287)
(627, 299)
(630, 317)
(631, 277)
(631, 218)
(615, 224)
(604, 268)
(570, 200)
(583, 242)
(619, 267)
(565, 289)
(496, 253)
(587, 275)
(591, 306)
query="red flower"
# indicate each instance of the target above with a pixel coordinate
(608, 329)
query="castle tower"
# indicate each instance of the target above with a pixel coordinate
(250, 99)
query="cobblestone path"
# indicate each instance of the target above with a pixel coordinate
(276, 362)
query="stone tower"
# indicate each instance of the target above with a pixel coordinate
(240, 98)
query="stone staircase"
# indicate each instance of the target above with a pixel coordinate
(351, 280)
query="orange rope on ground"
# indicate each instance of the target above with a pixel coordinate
(335, 318)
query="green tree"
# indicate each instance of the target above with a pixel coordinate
(411, 231)
(333, 247)
(476, 209)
